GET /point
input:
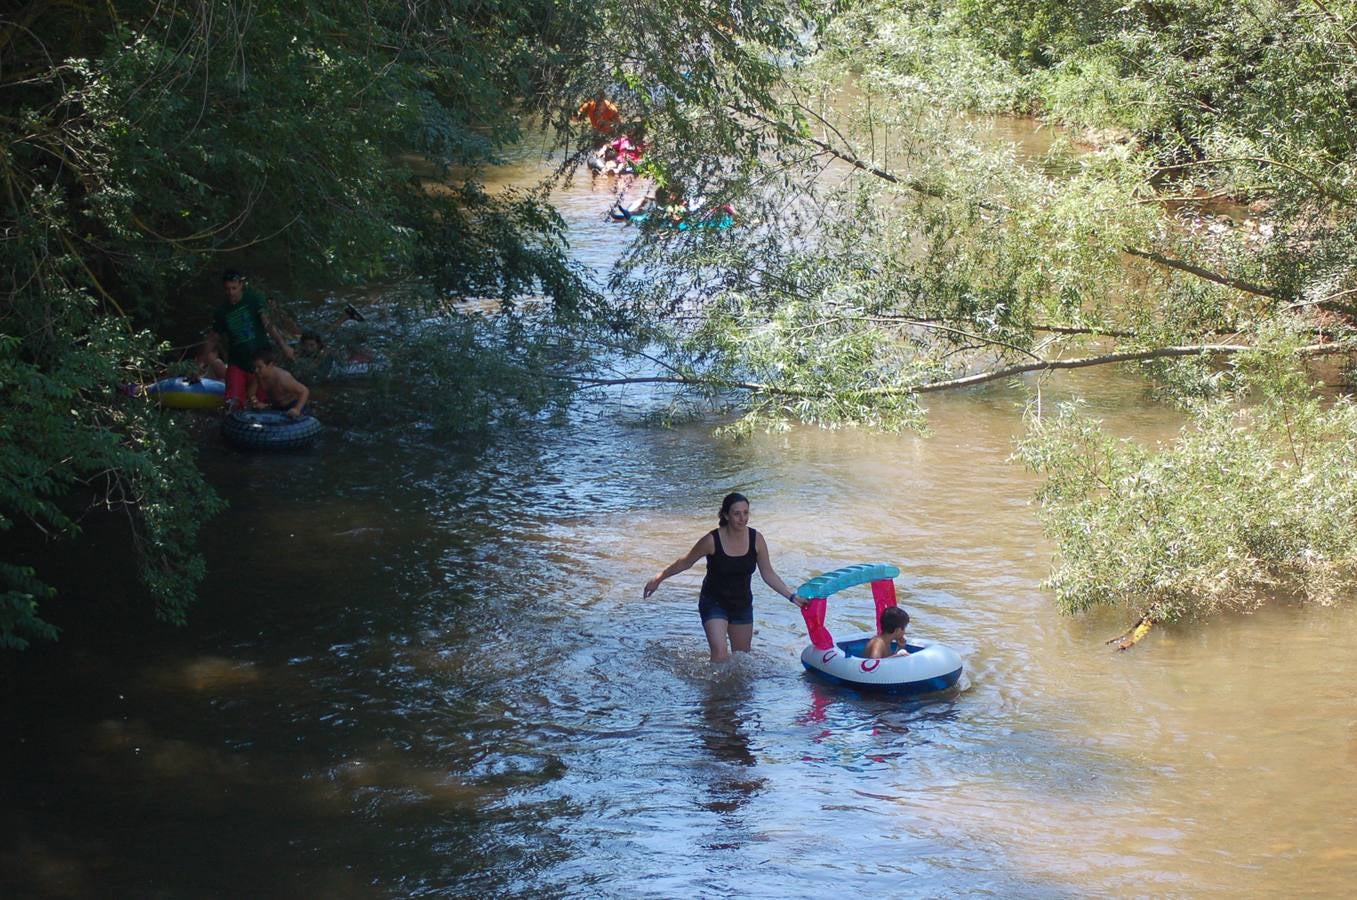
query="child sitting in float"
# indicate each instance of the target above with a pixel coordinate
(894, 620)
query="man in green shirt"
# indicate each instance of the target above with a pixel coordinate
(243, 327)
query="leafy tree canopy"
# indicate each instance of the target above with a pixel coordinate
(1197, 204)
(145, 143)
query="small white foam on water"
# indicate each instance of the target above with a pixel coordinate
(689, 661)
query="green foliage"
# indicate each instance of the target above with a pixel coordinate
(293, 129)
(1255, 496)
(1031, 34)
(817, 368)
(67, 439)
(894, 245)
(143, 145)
(839, 301)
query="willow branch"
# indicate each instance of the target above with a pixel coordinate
(948, 329)
(1267, 161)
(951, 383)
(1101, 360)
(1160, 259)
(852, 159)
(1333, 17)
(1216, 277)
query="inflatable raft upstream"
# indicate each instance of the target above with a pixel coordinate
(718, 218)
(184, 393)
(929, 667)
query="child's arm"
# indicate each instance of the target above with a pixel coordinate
(293, 386)
(278, 338)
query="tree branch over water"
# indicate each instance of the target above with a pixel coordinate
(1200, 272)
(964, 381)
(852, 159)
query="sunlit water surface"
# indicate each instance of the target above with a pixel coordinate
(423, 672)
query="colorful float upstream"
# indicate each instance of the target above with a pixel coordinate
(718, 219)
(184, 393)
(930, 667)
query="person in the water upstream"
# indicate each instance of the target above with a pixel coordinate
(726, 603)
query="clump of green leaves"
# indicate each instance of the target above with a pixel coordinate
(343, 143)
(69, 442)
(1255, 497)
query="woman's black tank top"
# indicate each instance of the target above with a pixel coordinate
(728, 577)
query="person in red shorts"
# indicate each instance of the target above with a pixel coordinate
(241, 325)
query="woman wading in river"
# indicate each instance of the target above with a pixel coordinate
(726, 603)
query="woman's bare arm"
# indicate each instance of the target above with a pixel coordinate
(704, 547)
(770, 577)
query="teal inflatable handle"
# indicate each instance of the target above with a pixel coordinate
(849, 576)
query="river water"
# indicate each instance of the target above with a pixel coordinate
(430, 672)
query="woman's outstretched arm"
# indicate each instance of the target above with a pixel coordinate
(704, 547)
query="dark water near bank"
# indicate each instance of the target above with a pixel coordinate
(429, 672)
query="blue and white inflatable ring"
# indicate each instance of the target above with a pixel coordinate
(929, 668)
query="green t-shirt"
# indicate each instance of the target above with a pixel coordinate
(243, 325)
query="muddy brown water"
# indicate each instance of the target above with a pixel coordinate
(425, 673)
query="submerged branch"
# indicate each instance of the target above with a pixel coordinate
(1133, 635)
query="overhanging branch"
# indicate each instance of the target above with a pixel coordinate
(963, 381)
(920, 187)
(1218, 278)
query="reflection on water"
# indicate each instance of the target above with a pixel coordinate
(416, 672)
(721, 728)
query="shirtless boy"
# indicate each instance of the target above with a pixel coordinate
(286, 392)
(893, 622)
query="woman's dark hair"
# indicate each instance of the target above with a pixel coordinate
(731, 499)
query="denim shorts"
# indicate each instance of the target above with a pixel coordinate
(710, 608)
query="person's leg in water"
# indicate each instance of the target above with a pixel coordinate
(717, 630)
(237, 382)
(741, 637)
(740, 628)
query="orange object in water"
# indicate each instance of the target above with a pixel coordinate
(602, 114)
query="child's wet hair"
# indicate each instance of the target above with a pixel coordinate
(893, 617)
